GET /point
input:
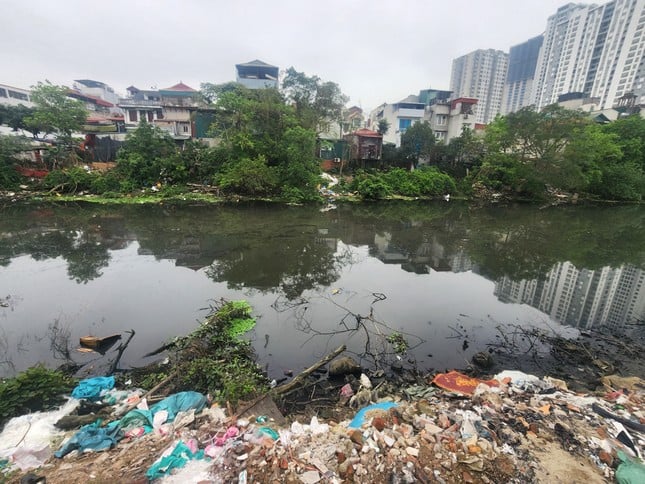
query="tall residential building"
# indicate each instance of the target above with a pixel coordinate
(623, 54)
(522, 60)
(565, 57)
(481, 75)
(591, 49)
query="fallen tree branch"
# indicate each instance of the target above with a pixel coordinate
(122, 348)
(299, 379)
(148, 393)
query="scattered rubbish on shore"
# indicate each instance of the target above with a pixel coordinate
(512, 428)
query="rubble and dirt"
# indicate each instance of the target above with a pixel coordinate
(516, 428)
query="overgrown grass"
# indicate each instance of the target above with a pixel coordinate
(35, 389)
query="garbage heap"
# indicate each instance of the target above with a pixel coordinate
(513, 428)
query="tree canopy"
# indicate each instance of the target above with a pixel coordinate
(265, 148)
(55, 112)
(317, 104)
(527, 150)
(16, 117)
(417, 142)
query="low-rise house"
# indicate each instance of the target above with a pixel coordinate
(257, 75)
(97, 89)
(447, 117)
(92, 103)
(170, 109)
(14, 96)
(364, 146)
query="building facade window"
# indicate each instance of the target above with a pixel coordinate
(18, 95)
(404, 124)
(132, 114)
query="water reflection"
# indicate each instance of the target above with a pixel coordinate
(441, 265)
(581, 297)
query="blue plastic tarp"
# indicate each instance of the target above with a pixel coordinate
(180, 402)
(92, 437)
(359, 418)
(91, 388)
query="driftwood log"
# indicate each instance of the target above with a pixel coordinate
(298, 380)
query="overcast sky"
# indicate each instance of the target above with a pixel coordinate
(377, 51)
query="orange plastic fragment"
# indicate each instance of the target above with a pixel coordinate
(460, 383)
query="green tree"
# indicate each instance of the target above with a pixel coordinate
(383, 126)
(466, 149)
(528, 148)
(259, 132)
(586, 156)
(16, 117)
(58, 114)
(10, 147)
(317, 104)
(251, 123)
(417, 142)
(535, 137)
(148, 155)
(629, 134)
(299, 169)
(210, 92)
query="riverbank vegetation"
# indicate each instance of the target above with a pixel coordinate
(266, 141)
(214, 359)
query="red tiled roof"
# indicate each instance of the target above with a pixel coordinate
(180, 87)
(367, 133)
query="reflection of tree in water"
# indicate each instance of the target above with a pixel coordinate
(293, 264)
(294, 248)
(81, 248)
(519, 242)
(526, 244)
(264, 247)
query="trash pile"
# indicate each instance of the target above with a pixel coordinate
(514, 427)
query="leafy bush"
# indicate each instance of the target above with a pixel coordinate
(621, 181)
(32, 390)
(501, 172)
(433, 183)
(249, 177)
(69, 180)
(9, 177)
(402, 182)
(10, 146)
(373, 188)
(149, 155)
(103, 183)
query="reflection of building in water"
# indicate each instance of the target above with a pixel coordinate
(323, 238)
(427, 255)
(582, 297)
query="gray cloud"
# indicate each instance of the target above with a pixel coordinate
(375, 50)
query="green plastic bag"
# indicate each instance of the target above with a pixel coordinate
(180, 455)
(630, 471)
